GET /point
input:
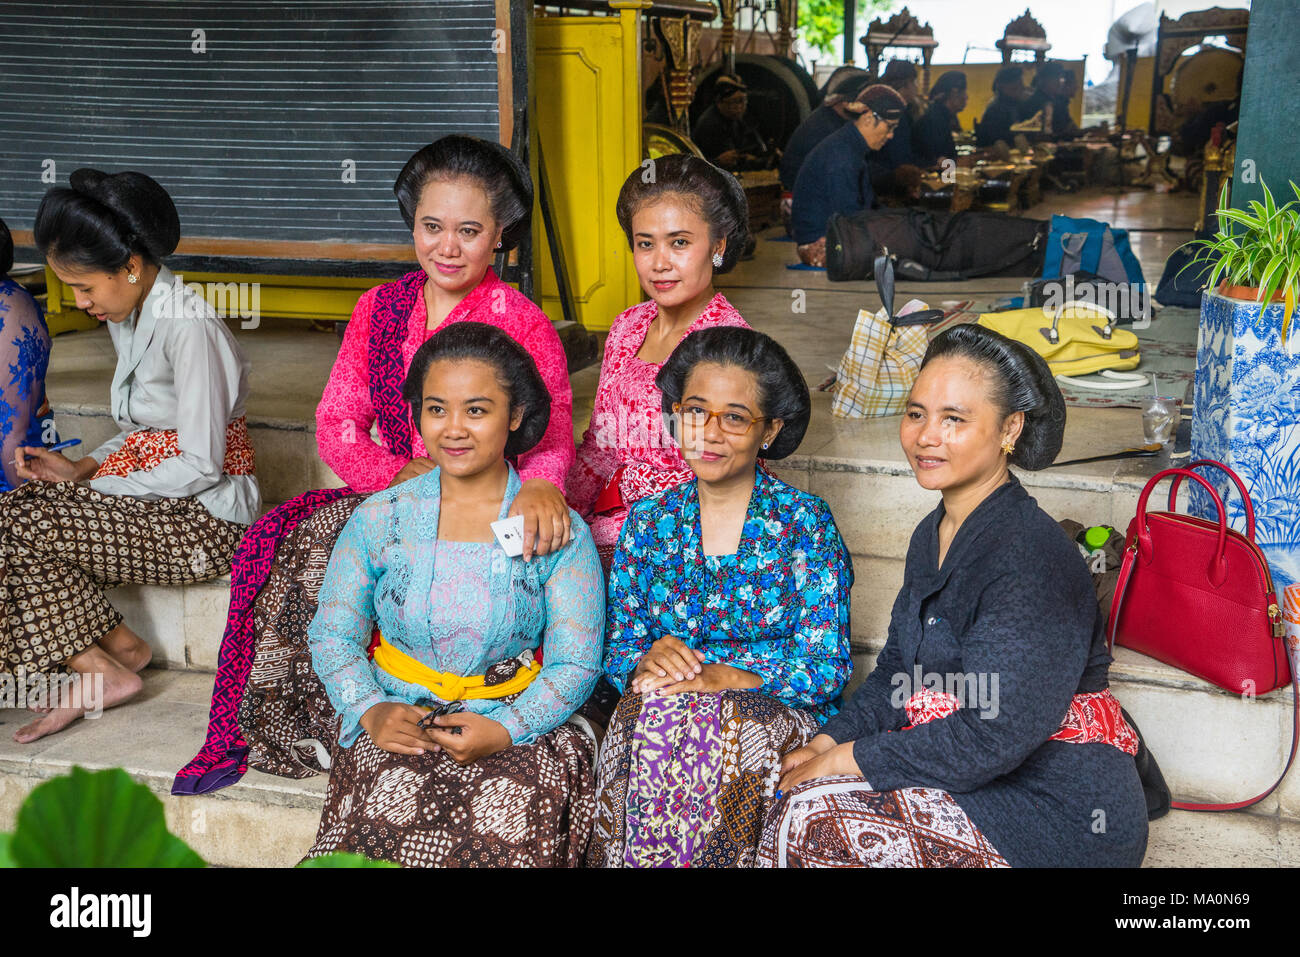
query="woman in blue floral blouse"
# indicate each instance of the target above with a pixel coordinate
(727, 620)
(24, 354)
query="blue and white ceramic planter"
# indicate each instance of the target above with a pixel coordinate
(1247, 415)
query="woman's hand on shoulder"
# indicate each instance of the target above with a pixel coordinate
(547, 522)
(819, 758)
(412, 469)
(395, 727)
(478, 737)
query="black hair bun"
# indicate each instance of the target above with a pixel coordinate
(717, 195)
(6, 249)
(1044, 432)
(501, 174)
(145, 213)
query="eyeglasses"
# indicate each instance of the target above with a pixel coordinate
(733, 423)
(892, 124)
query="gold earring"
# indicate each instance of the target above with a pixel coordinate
(1008, 446)
(130, 277)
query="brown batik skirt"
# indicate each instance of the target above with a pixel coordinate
(838, 821)
(62, 544)
(686, 780)
(525, 806)
(285, 715)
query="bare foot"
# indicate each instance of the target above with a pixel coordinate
(118, 685)
(131, 651)
(126, 647)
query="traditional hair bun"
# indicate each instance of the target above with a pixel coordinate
(143, 209)
(717, 195)
(500, 173)
(6, 249)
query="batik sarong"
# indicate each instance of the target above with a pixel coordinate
(686, 780)
(838, 821)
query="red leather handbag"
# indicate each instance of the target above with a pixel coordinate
(1199, 595)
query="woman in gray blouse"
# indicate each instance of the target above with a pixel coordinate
(166, 500)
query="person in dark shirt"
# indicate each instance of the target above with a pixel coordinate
(1051, 83)
(1006, 109)
(932, 138)
(821, 123)
(833, 179)
(722, 134)
(892, 169)
(986, 735)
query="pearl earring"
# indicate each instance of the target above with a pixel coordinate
(717, 260)
(130, 277)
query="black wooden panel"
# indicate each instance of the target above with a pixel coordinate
(249, 137)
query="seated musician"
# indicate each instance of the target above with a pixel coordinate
(834, 178)
(932, 137)
(1006, 109)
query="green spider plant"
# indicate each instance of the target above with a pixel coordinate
(1259, 247)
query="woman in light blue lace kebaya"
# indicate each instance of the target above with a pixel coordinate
(458, 742)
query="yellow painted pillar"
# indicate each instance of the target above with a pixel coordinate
(587, 118)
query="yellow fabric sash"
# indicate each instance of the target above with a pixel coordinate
(446, 686)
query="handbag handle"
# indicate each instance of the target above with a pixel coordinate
(1218, 571)
(1236, 479)
(1054, 336)
(883, 272)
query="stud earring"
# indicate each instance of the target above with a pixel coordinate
(717, 260)
(498, 244)
(1008, 447)
(765, 445)
(130, 277)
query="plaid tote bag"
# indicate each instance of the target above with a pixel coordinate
(884, 354)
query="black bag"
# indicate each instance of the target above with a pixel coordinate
(932, 245)
(1128, 302)
(1154, 788)
(1183, 288)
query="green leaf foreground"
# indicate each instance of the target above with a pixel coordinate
(107, 819)
(96, 819)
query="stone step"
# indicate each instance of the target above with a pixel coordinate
(262, 821)
(266, 821)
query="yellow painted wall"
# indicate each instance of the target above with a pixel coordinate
(588, 118)
(979, 86)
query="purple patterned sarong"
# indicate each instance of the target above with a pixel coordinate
(677, 762)
(685, 780)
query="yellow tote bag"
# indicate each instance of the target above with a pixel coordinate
(1079, 339)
